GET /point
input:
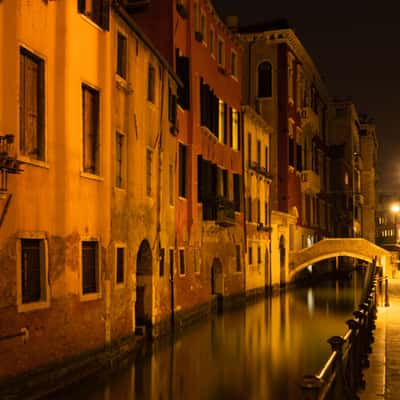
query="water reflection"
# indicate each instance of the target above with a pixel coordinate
(258, 352)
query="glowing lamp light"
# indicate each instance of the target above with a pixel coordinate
(395, 208)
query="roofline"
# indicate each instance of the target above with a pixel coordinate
(120, 11)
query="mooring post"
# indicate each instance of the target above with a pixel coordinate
(386, 292)
(310, 387)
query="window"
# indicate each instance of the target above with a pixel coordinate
(120, 265)
(162, 260)
(90, 121)
(182, 170)
(266, 213)
(258, 211)
(291, 151)
(259, 255)
(238, 263)
(250, 255)
(96, 10)
(236, 191)
(209, 108)
(266, 157)
(31, 107)
(182, 261)
(171, 107)
(299, 152)
(119, 160)
(235, 129)
(221, 53)
(149, 155)
(264, 79)
(249, 209)
(90, 267)
(212, 41)
(33, 271)
(225, 183)
(182, 70)
(259, 152)
(222, 122)
(171, 177)
(249, 147)
(151, 84)
(121, 55)
(233, 63)
(203, 26)
(171, 262)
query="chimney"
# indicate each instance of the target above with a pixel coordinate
(232, 22)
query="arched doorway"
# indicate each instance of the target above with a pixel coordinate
(216, 277)
(144, 272)
(282, 259)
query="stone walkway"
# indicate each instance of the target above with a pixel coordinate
(383, 375)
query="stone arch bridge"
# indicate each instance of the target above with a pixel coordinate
(330, 248)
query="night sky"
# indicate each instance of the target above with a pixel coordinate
(355, 45)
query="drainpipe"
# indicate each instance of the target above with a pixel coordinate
(244, 203)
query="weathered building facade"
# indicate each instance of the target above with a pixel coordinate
(284, 86)
(209, 204)
(89, 104)
(257, 182)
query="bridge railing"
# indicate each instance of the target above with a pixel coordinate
(341, 376)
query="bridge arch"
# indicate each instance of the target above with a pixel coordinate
(325, 249)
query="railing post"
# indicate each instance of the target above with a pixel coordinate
(339, 389)
(310, 387)
(355, 368)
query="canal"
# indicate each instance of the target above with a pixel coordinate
(260, 351)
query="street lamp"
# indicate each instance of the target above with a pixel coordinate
(395, 208)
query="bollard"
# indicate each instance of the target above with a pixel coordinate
(386, 292)
(310, 387)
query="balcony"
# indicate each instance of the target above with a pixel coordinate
(220, 210)
(309, 116)
(258, 169)
(310, 182)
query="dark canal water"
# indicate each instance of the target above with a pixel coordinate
(257, 352)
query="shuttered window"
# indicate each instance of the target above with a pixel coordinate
(32, 270)
(238, 263)
(90, 122)
(236, 191)
(31, 112)
(264, 79)
(90, 266)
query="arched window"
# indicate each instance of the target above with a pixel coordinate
(264, 79)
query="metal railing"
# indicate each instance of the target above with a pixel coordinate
(341, 376)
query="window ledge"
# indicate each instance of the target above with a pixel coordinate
(93, 177)
(38, 305)
(123, 84)
(34, 162)
(87, 19)
(119, 286)
(90, 296)
(120, 190)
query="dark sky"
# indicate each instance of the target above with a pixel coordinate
(356, 47)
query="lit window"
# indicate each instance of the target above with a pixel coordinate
(235, 127)
(222, 122)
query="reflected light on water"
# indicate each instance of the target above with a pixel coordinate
(310, 301)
